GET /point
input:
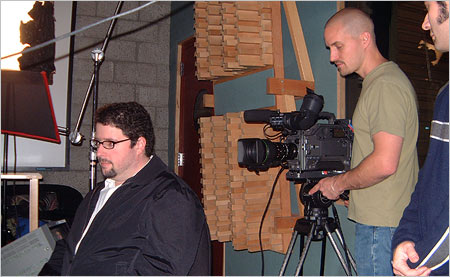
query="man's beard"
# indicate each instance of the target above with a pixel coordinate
(111, 173)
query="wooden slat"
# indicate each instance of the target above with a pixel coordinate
(285, 103)
(33, 196)
(298, 41)
(288, 87)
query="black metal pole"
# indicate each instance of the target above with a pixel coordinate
(97, 56)
(5, 230)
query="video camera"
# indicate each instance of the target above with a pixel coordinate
(310, 150)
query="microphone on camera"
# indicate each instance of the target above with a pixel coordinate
(259, 116)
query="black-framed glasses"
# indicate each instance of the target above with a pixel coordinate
(107, 144)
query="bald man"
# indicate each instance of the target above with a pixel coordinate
(384, 159)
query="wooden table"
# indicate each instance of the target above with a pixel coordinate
(34, 194)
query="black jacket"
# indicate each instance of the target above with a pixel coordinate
(153, 224)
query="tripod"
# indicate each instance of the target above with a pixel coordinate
(317, 226)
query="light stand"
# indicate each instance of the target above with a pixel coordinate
(75, 136)
(317, 226)
(97, 56)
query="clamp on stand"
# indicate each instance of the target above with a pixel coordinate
(317, 226)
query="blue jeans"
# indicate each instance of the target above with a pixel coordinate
(373, 250)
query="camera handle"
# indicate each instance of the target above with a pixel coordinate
(312, 228)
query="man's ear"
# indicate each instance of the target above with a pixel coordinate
(365, 38)
(140, 144)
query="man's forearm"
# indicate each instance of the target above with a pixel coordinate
(366, 174)
(376, 167)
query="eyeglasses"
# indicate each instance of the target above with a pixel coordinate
(107, 144)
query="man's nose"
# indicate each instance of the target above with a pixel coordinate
(426, 23)
(333, 56)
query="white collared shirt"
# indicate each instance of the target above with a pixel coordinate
(105, 194)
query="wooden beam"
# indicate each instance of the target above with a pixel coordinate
(277, 41)
(298, 40)
(280, 86)
(177, 107)
(284, 103)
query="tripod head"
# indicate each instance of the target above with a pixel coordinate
(316, 205)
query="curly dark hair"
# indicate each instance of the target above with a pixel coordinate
(132, 118)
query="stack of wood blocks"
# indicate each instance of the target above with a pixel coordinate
(232, 38)
(215, 179)
(244, 193)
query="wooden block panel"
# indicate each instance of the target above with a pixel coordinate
(233, 38)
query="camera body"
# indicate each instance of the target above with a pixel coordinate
(324, 150)
(309, 150)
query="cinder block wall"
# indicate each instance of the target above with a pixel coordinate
(135, 68)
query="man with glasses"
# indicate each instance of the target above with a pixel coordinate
(142, 219)
(425, 221)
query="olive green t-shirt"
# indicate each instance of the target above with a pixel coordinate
(387, 103)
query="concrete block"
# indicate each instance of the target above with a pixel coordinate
(153, 53)
(151, 111)
(83, 70)
(78, 93)
(115, 92)
(163, 155)
(79, 156)
(107, 9)
(98, 31)
(87, 116)
(153, 96)
(163, 76)
(162, 117)
(164, 32)
(146, 74)
(136, 31)
(161, 138)
(83, 47)
(86, 8)
(78, 180)
(134, 73)
(155, 11)
(119, 50)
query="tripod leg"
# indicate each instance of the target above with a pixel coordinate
(288, 253)
(322, 256)
(305, 249)
(338, 252)
(302, 244)
(341, 240)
